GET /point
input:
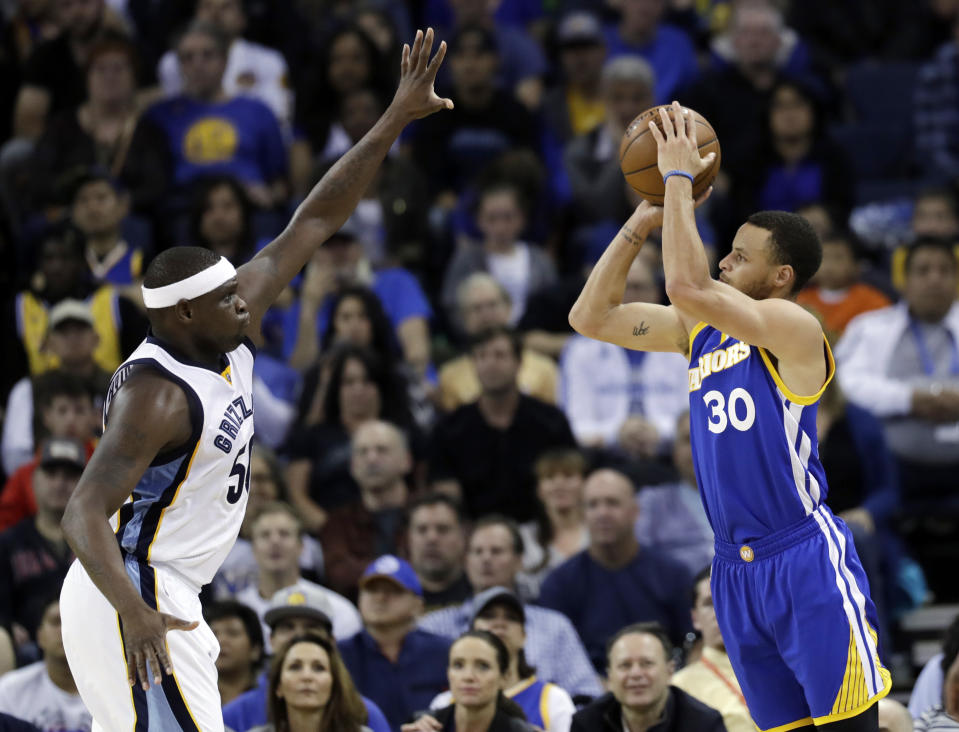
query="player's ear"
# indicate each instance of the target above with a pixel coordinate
(183, 310)
(785, 275)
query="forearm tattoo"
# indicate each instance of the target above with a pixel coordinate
(633, 237)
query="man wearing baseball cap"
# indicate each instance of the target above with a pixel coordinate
(393, 662)
(293, 611)
(34, 557)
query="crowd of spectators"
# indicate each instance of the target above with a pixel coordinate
(462, 513)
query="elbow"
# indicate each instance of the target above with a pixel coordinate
(581, 322)
(683, 294)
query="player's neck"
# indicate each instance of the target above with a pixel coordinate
(616, 554)
(59, 673)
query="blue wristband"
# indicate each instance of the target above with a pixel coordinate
(678, 172)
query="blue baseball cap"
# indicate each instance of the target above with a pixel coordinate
(393, 568)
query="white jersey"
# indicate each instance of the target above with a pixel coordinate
(185, 512)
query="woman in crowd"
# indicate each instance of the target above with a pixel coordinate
(546, 706)
(797, 164)
(220, 219)
(478, 664)
(560, 531)
(350, 61)
(104, 132)
(311, 690)
(361, 387)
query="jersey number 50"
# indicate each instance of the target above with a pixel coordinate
(242, 473)
(718, 420)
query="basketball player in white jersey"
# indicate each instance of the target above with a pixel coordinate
(161, 500)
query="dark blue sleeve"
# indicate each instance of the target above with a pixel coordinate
(376, 721)
(879, 467)
(15, 724)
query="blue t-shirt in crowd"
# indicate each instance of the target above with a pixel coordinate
(670, 53)
(398, 291)
(600, 601)
(238, 137)
(403, 688)
(249, 710)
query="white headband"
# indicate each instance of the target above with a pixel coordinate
(189, 288)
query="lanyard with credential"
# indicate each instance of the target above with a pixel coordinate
(928, 365)
(729, 684)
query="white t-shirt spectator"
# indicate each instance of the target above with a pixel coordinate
(30, 695)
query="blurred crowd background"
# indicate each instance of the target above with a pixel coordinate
(420, 396)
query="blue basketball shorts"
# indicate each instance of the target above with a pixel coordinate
(798, 624)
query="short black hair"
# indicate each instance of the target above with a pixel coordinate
(435, 498)
(226, 609)
(178, 263)
(654, 629)
(498, 519)
(56, 382)
(946, 246)
(793, 241)
(846, 238)
(947, 193)
(704, 574)
(64, 233)
(211, 31)
(498, 331)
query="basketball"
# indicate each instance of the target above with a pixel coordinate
(637, 155)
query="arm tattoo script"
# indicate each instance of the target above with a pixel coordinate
(641, 329)
(631, 236)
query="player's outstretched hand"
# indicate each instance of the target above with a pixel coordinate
(415, 96)
(676, 143)
(144, 635)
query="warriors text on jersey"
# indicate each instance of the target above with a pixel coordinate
(754, 441)
(186, 510)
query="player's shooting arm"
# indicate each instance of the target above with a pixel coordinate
(599, 311)
(333, 199)
(780, 326)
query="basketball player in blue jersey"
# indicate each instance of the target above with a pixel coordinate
(161, 501)
(790, 594)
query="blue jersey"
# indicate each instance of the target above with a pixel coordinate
(754, 441)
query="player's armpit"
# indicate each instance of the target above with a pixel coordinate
(640, 326)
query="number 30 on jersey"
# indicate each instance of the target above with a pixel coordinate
(738, 410)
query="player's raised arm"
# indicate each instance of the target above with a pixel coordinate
(149, 415)
(333, 199)
(771, 321)
(600, 312)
